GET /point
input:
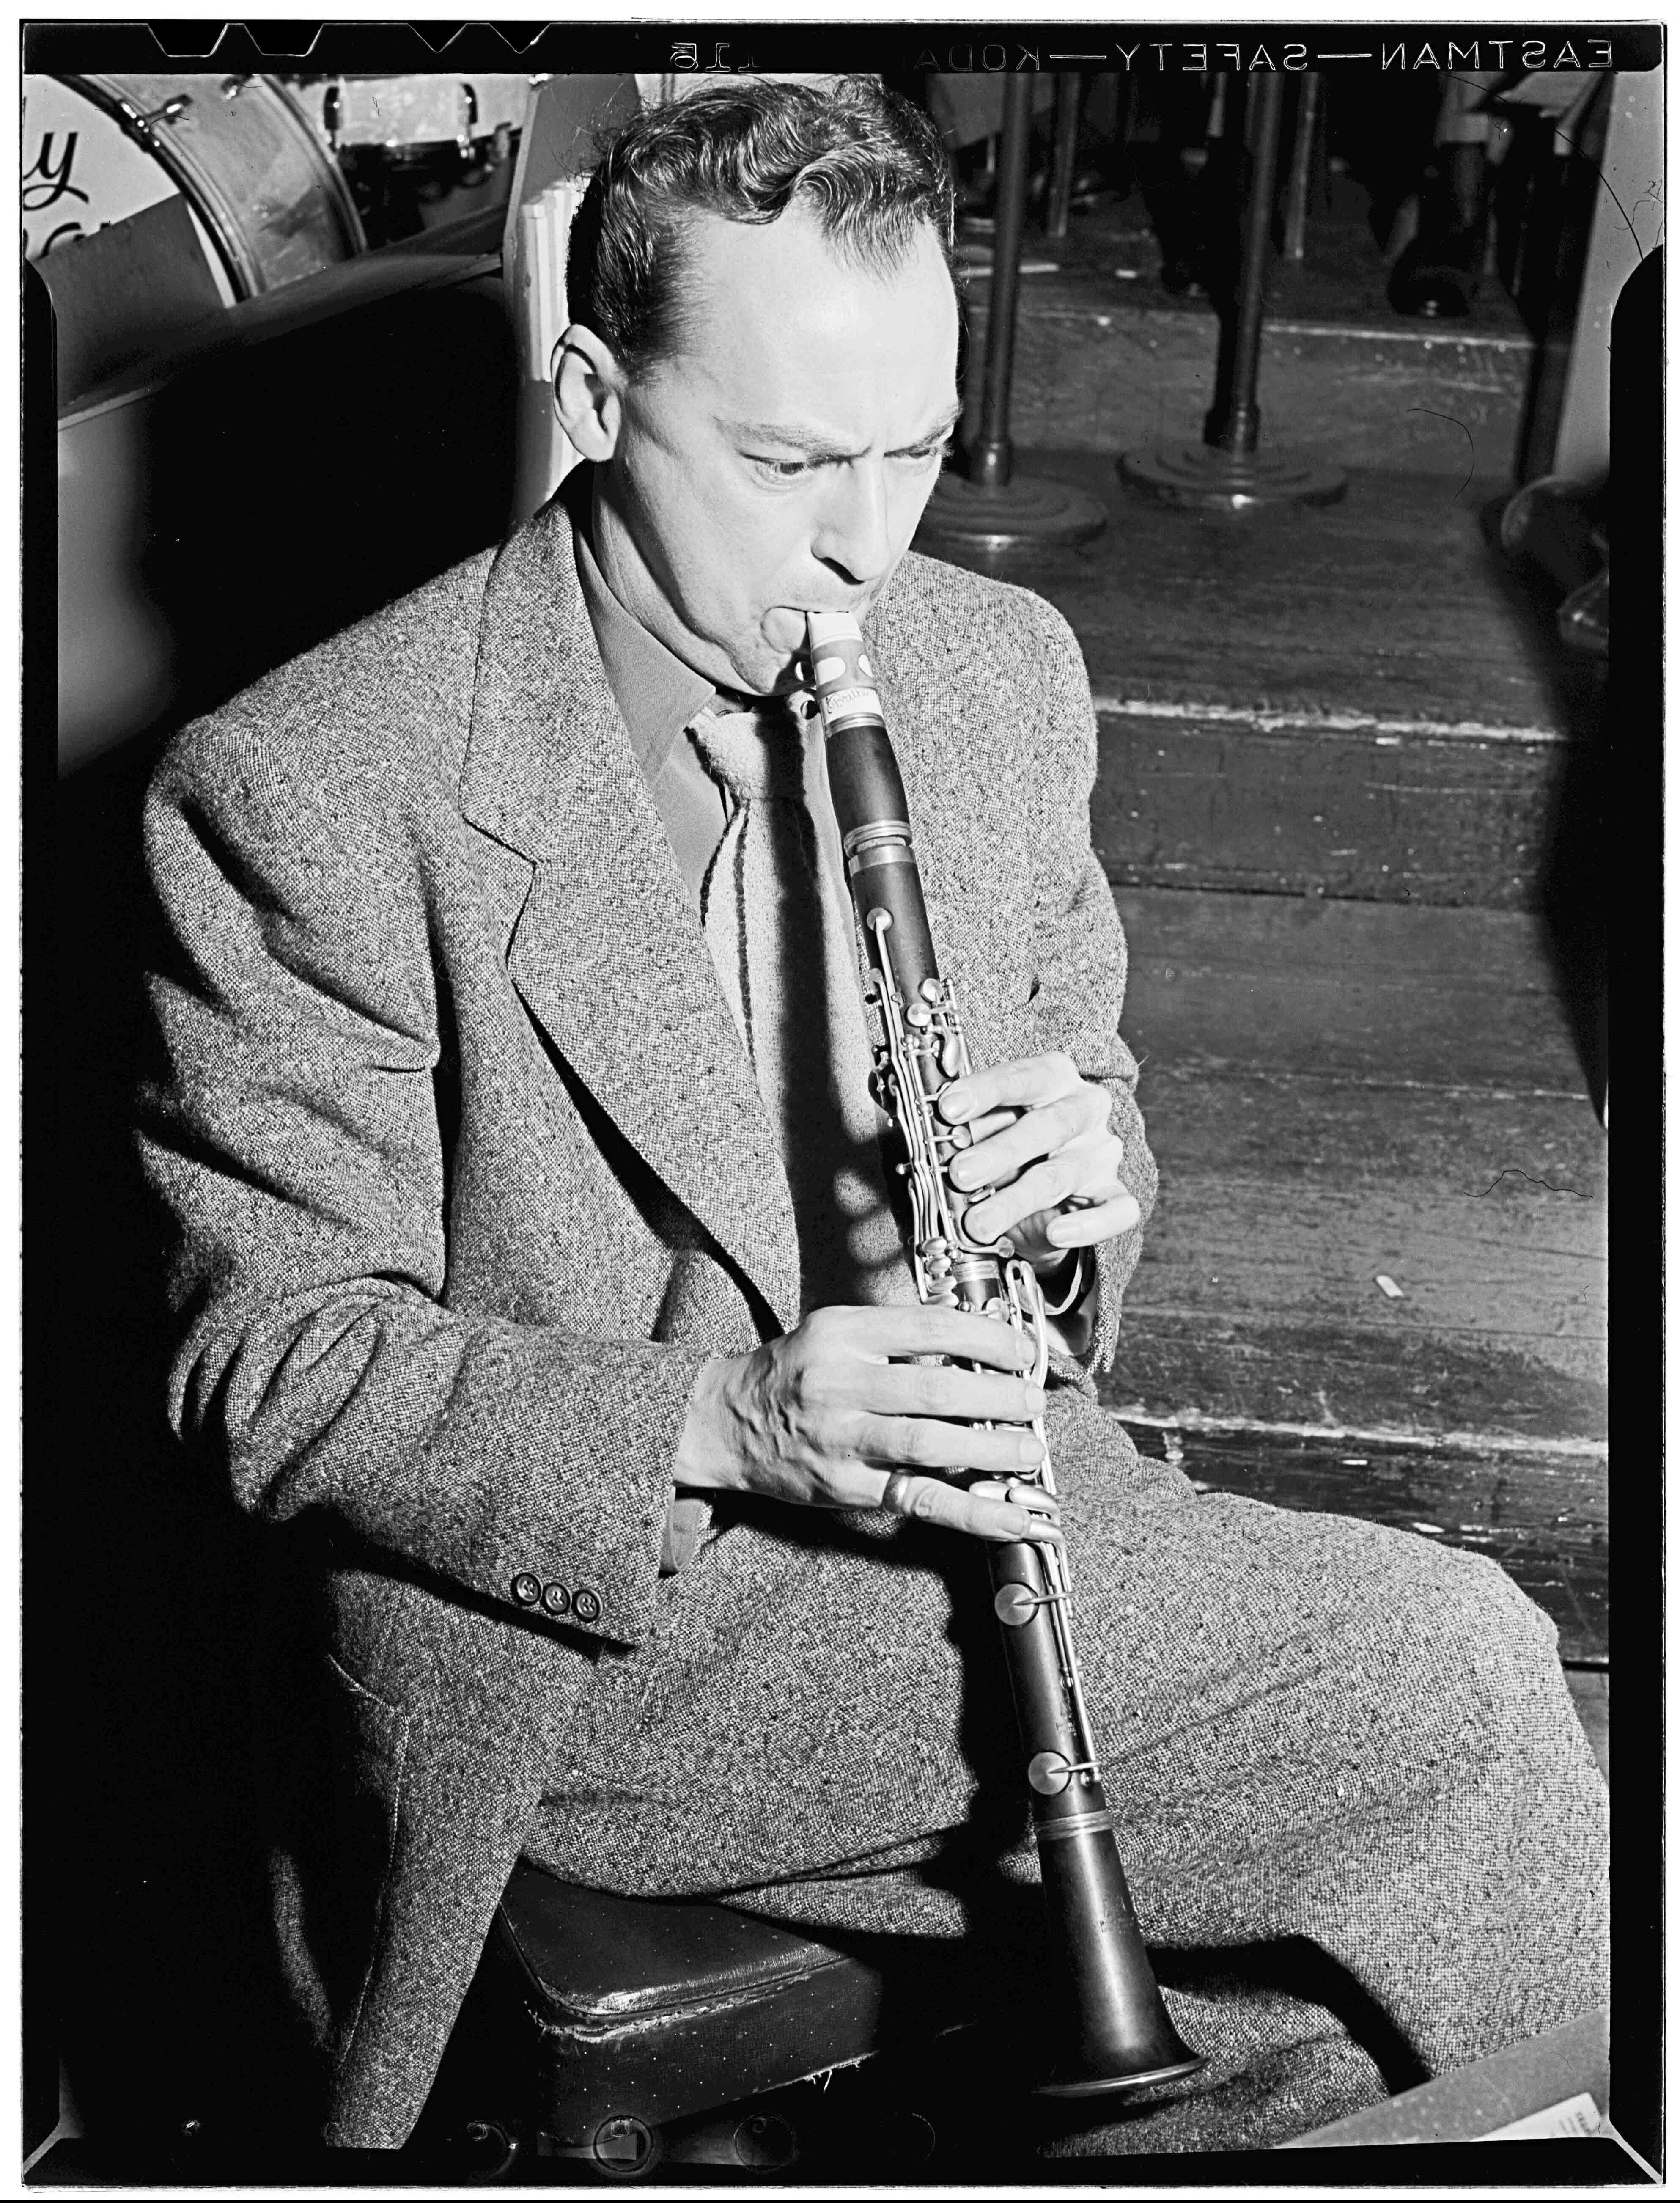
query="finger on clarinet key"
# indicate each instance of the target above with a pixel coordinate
(1088, 1227)
(1005, 1520)
(899, 1388)
(1024, 1086)
(931, 1330)
(988, 1127)
(956, 1104)
(989, 1509)
(1002, 1157)
(997, 1492)
(1035, 1501)
(920, 1443)
(1015, 1522)
(1004, 1207)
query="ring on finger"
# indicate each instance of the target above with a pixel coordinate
(895, 1493)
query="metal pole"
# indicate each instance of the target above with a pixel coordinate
(1238, 430)
(1300, 167)
(1066, 152)
(1225, 472)
(989, 508)
(991, 461)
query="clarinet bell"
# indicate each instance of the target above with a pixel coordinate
(1113, 2029)
(1147, 2053)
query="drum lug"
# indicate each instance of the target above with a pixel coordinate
(171, 111)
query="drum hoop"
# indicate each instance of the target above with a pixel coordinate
(202, 188)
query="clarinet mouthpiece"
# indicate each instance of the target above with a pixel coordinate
(841, 675)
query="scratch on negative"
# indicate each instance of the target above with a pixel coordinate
(1512, 1170)
(1469, 439)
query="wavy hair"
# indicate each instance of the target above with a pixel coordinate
(868, 165)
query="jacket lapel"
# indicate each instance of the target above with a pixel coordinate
(606, 954)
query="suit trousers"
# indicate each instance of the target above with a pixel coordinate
(1310, 1728)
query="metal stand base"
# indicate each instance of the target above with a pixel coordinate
(1204, 476)
(1027, 510)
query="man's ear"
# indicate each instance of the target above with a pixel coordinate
(589, 393)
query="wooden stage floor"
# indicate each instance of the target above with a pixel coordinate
(1338, 751)
(1338, 1092)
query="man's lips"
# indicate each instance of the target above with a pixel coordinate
(798, 614)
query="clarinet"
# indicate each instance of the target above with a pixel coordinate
(1113, 2027)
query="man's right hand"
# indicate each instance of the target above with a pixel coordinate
(826, 1414)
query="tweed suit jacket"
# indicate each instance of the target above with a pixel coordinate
(467, 1173)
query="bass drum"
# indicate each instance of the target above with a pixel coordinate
(249, 162)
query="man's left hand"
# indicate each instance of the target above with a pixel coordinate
(1042, 1145)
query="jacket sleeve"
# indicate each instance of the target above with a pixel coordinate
(292, 1133)
(1079, 979)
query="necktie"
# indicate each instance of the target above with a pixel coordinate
(773, 910)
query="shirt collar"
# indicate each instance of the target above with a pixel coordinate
(656, 694)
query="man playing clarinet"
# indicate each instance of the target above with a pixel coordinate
(538, 1274)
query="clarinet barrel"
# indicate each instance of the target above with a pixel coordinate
(1105, 2008)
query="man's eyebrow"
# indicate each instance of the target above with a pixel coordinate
(817, 446)
(943, 427)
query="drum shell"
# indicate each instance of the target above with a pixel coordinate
(250, 163)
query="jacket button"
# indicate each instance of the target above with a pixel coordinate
(585, 1606)
(527, 1588)
(557, 1599)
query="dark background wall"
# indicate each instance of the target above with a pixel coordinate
(287, 488)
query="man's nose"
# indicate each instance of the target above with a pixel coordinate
(853, 529)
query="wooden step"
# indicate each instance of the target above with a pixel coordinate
(1443, 999)
(1358, 701)
(1391, 810)
(1539, 1513)
(1337, 1092)
(1111, 372)
(1107, 359)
